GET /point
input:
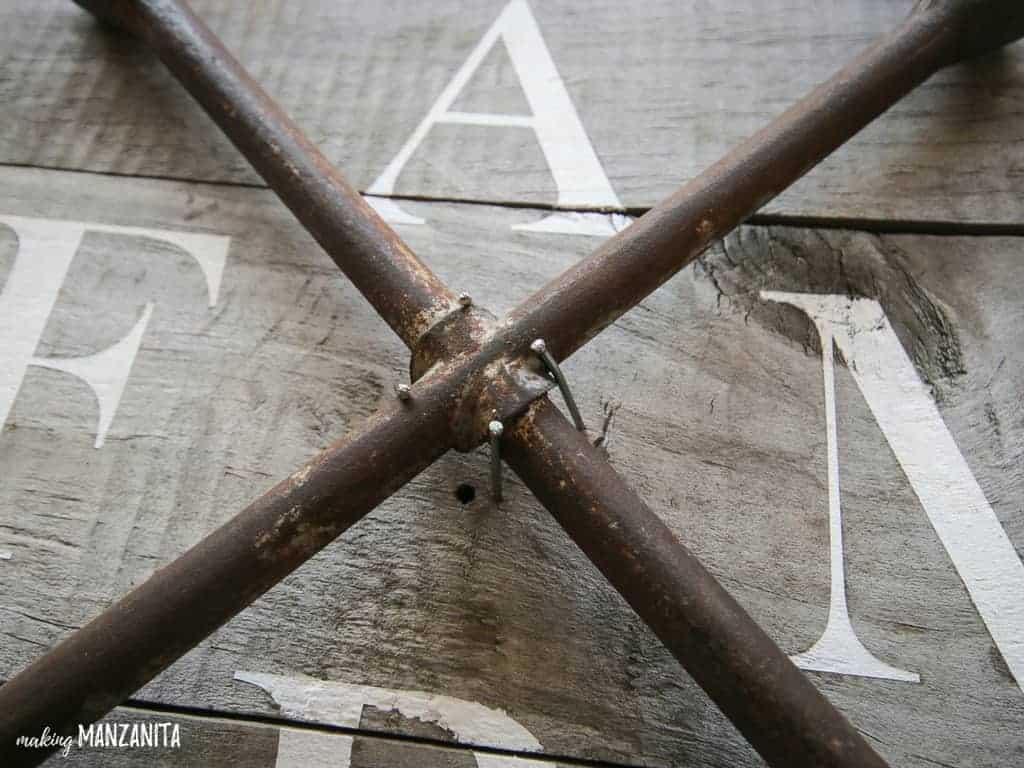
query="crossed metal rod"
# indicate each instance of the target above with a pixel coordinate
(470, 370)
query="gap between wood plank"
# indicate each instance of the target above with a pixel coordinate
(198, 713)
(213, 715)
(874, 226)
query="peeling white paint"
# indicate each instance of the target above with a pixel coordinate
(46, 248)
(955, 505)
(341, 704)
(570, 156)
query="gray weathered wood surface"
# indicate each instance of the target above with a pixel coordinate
(718, 423)
(216, 742)
(662, 88)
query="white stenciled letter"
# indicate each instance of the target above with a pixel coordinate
(341, 704)
(965, 523)
(577, 172)
(46, 248)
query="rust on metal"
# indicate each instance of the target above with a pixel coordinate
(588, 297)
(401, 288)
(772, 703)
(100, 665)
(470, 370)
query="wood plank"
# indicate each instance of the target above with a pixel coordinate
(200, 741)
(183, 740)
(663, 89)
(719, 423)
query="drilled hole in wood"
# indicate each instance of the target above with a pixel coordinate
(465, 493)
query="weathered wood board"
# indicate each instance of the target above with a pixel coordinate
(191, 741)
(662, 90)
(719, 422)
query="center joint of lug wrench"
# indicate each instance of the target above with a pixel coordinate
(463, 330)
(499, 380)
(498, 390)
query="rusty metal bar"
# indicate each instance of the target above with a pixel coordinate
(400, 287)
(100, 665)
(341, 484)
(772, 703)
(576, 306)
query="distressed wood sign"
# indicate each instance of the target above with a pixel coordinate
(428, 605)
(827, 412)
(661, 91)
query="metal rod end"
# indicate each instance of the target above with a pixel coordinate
(985, 25)
(539, 347)
(403, 391)
(465, 300)
(115, 13)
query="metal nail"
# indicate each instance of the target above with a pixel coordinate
(539, 348)
(495, 428)
(465, 300)
(404, 392)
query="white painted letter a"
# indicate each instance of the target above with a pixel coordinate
(577, 172)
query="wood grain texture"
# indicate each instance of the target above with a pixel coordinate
(718, 424)
(663, 89)
(205, 741)
(216, 742)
